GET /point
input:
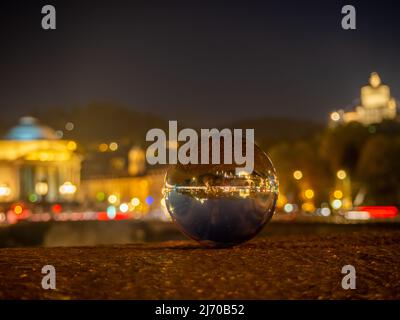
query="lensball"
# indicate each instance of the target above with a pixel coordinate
(218, 207)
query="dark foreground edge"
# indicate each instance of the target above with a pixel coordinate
(207, 309)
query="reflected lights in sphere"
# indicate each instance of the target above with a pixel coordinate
(215, 206)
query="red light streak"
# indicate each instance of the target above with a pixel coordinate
(380, 211)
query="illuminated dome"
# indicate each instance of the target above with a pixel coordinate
(30, 129)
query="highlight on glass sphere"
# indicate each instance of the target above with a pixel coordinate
(218, 207)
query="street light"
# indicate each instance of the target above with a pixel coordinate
(71, 145)
(297, 174)
(41, 188)
(338, 194)
(341, 174)
(113, 146)
(309, 193)
(135, 202)
(335, 116)
(112, 198)
(124, 207)
(336, 204)
(67, 188)
(5, 190)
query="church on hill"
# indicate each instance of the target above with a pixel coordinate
(376, 105)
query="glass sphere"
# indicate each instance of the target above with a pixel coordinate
(216, 206)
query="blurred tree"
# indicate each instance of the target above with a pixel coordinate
(369, 155)
(301, 155)
(379, 170)
(341, 146)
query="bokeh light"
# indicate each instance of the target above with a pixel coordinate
(297, 174)
(309, 193)
(341, 174)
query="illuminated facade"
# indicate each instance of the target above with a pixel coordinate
(140, 194)
(36, 166)
(116, 180)
(376, 105)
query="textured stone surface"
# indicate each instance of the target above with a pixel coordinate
(278, 267)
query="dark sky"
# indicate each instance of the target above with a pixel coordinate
(205, 62)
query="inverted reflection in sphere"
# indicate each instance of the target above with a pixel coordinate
(216, 206)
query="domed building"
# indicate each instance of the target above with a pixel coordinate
(37, 166)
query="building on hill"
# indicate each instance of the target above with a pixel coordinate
(376, 105)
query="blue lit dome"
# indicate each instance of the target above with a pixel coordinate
(30, 129)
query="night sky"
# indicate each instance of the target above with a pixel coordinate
(202, 62)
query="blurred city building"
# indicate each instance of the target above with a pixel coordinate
(40, 172)
(117, 180)
(376, 105)
(36, 166)
(137, 196)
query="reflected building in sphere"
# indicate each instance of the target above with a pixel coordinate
(37, 166)
(376, 105)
